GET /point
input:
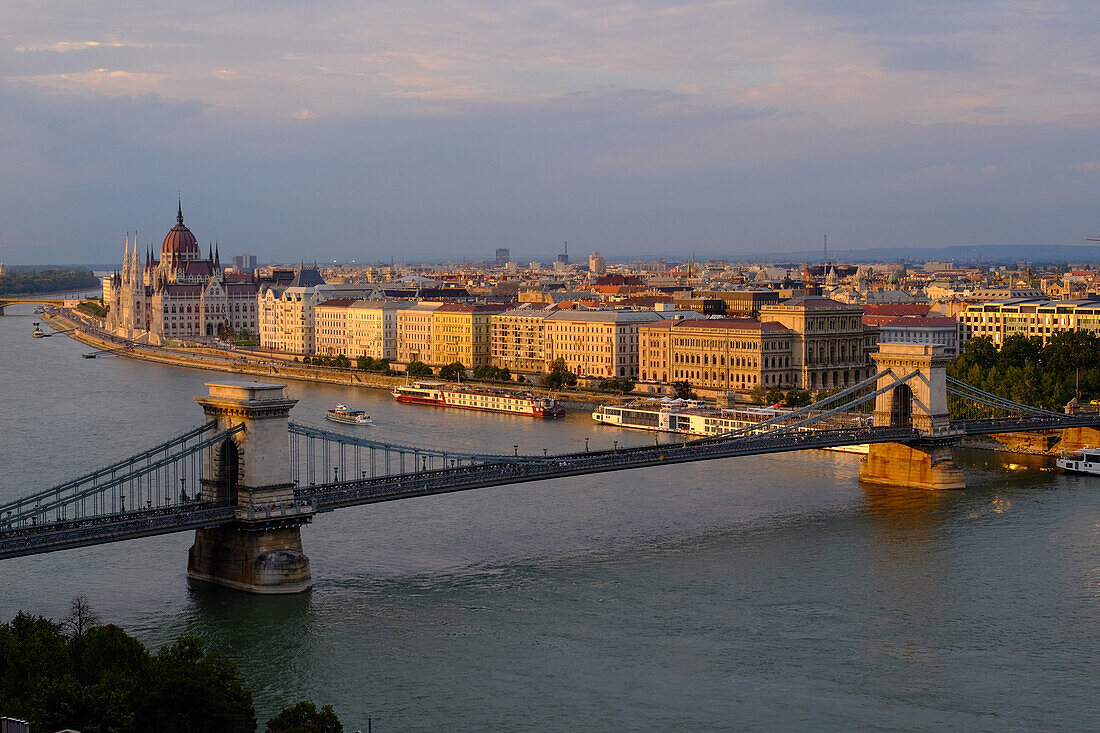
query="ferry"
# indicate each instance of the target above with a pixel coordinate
(342, 414)
(695, 418)
(1082, 460)
(440, 394)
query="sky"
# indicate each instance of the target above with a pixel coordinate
(443, 129)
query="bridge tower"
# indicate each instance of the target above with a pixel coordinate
(261, 552)
(920, 403)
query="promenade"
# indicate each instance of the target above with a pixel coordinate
(80, 328)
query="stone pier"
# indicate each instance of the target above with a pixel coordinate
(919, 403)
(262, 551)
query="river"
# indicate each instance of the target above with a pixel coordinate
(770, 592)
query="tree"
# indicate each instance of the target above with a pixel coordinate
(683, 390)
(773, 395)
(492, 373)
(559, 375)
(796, 397)
(305, 718)
(81, 616)
(418, 369)
(452, 371)
(617, 385)
(343, 362)
(102, 679)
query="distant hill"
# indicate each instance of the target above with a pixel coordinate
(990, 254)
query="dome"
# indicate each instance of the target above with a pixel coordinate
(180, 240)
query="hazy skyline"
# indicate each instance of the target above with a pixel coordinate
(428, 130)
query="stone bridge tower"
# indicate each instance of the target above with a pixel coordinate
(920, 403)
(262, 551)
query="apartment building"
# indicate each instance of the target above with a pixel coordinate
(415, 330)
(287, 316)
(517, 340)
(598, 344)
(1029, 317)
(331, 335)
(460, 332)
(372, 328)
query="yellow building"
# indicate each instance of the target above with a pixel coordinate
(372, 328)
(597, 344)
(331, 328)
(721, 355)
(1030, 317)
(460, 332)
(828, 344)
(415, 330)
(518, 340)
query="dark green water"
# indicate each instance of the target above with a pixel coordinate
(760, 593)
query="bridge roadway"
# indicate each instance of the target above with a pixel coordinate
(67, 534)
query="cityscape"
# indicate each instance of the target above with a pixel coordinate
(679, 366)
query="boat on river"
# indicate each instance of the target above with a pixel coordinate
(440, 394)
(347, 416)
(38, 333)
(697, 419)
(1082, 460)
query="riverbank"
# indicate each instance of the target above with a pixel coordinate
(247, 364)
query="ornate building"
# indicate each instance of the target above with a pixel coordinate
(179, 296)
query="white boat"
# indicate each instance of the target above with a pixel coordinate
(695, 418)
(439, 394)
(38, 333)
(1082, 460)
(342, 414)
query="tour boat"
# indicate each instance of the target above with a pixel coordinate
(38, 333)
(472, 398)
(695, 418)
(342, 414)
(1082, 460)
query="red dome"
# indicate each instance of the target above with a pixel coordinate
(180, 240)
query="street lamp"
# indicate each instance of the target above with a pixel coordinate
(335, 474)
(515, 448)
(586, 445)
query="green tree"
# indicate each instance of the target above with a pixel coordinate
(796, 397)
(773, 395)
(617, 385)
(305, 718)
(452, 371)
(559, 375)
(418, 369)
(683, 390)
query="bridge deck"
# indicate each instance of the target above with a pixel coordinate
(62, 535)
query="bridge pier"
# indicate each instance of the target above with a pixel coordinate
(919, 403)
(261, 552)
(914, 466)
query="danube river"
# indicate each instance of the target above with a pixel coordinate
(763, 592)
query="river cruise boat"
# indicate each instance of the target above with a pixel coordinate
(1083, 460)
(38, 333)
(342, 414)
(695, 418)
(439, 394)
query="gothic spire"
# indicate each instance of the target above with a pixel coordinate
(179, 211)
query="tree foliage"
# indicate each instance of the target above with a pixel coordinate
(796, 397)
(492, 373)
(87, 676)
(452, 371)
(559, 375)
(305, 718)
(46, 281)
(617, 385)
(1024, 370)
(418, 369)
(683, 390)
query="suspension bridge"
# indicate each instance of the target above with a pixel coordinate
(248, 478)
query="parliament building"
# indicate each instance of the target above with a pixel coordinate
(181, 295)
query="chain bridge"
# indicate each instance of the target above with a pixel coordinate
(248, 478)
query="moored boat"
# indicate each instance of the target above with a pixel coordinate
(695, 418)
(347, 416)
(438, 394)
(1082, 460)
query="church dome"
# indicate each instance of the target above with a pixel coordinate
(180, 240)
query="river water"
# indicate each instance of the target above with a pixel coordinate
(752, 593)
